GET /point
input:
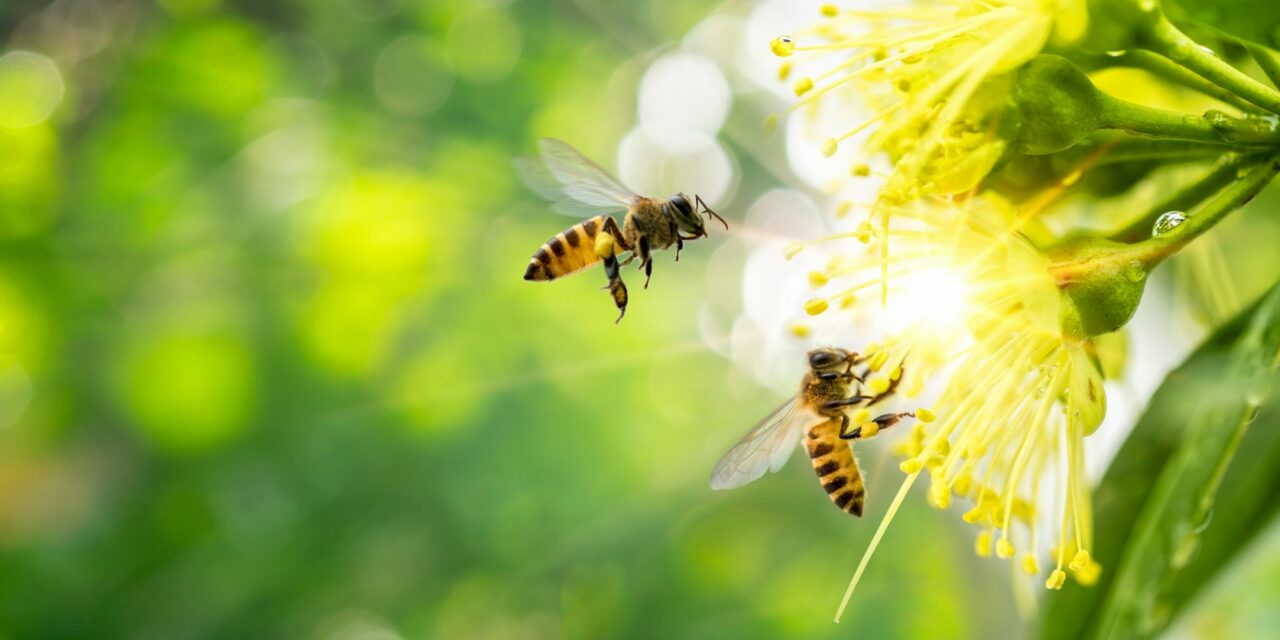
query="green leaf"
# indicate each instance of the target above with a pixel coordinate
(1173, 508)
(1255, 20)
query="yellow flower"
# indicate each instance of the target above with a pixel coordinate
(971, 295)
(935, 74)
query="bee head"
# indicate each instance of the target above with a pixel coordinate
(830, 358)
(686, 218)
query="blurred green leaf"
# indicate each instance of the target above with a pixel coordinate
(1193, 484)
(1254, 20)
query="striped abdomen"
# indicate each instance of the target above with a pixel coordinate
(570, 251)
(836, 467)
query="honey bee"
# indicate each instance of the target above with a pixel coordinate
(577, 186)
(817, 415)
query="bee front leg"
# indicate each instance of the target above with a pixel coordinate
(878, 424)
(679, 246)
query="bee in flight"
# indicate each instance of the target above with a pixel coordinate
(817, 415)
(577, 186)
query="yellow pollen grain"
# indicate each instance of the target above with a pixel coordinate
(1089, 575)
(604, 245)
(843, 209)
(799, 330)
(869, 429)
(829, 10)
(973, 516)
(817, 279)
(847, 300)
(1056, 579)
(925, 415)
(911, 465)
(860, 170)
(829, 147)
(784, 70)
(802, 86)
(895, 373)
(865, 232)
(815, 306)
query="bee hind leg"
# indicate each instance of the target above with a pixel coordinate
(646, 261)
(882, 422)
(616, 287)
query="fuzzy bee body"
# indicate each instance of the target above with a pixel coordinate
(815, 415)
(577, 185)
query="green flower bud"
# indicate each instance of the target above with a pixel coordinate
(1101, 285)
(1058, 105)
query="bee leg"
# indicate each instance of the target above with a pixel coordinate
(617, 289)
(836, 404)
(646, 261)
(679, 246)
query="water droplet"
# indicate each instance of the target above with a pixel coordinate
(1192, 120)
(1134, 271)
(1117, 53)
(1167, 222)
(1251, 413)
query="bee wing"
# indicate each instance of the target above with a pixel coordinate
(572, 182)
(765, 448)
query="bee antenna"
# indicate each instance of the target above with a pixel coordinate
(709, 212)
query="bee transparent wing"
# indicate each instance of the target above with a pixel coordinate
(572, 182)
(766, 448)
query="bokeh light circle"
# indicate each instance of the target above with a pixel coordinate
(701, 166)
(30, 89)
(408, 78)
(682, 95)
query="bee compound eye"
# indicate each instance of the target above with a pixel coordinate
(822, 358)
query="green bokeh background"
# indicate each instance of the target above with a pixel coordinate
(259, 277)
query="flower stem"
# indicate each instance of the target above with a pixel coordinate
(1166, 69)
(1165, 39)
(1235, 195)
(1214, 181)
(1268, 60)
(1214, 127)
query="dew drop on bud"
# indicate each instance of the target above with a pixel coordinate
(1135, 272)
(1167, 222)
(782, 46)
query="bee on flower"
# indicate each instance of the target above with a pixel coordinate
(971, 298)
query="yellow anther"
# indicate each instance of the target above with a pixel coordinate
(944, 448)
(843, 209)
(829, 10)
(962, 485)
(815, 306)
(877, 361)
(982, 546)
(1029, 565)
(860, 170)
(817, 279)
(1088, 576)
(925, 415)
(895, 373)
(973, 516)
(784, 70)
(878, 385)
(911, 465)
(771, 122)
(799, 330)
(939, 492)
(1004, 548)
(1056, 579)
(829, 147)
(847, 300)
(792, 249)
(903, 85)
(802, 86)
(865, 232)
(782, 46)
(1079, 561)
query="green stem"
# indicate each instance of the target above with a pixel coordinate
(1131, 149)
(1165, 39)
(1214, 127)
(1235, 195)
(1166, 69)
(1214, 181)
(1152, 251)
(1268, 60)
